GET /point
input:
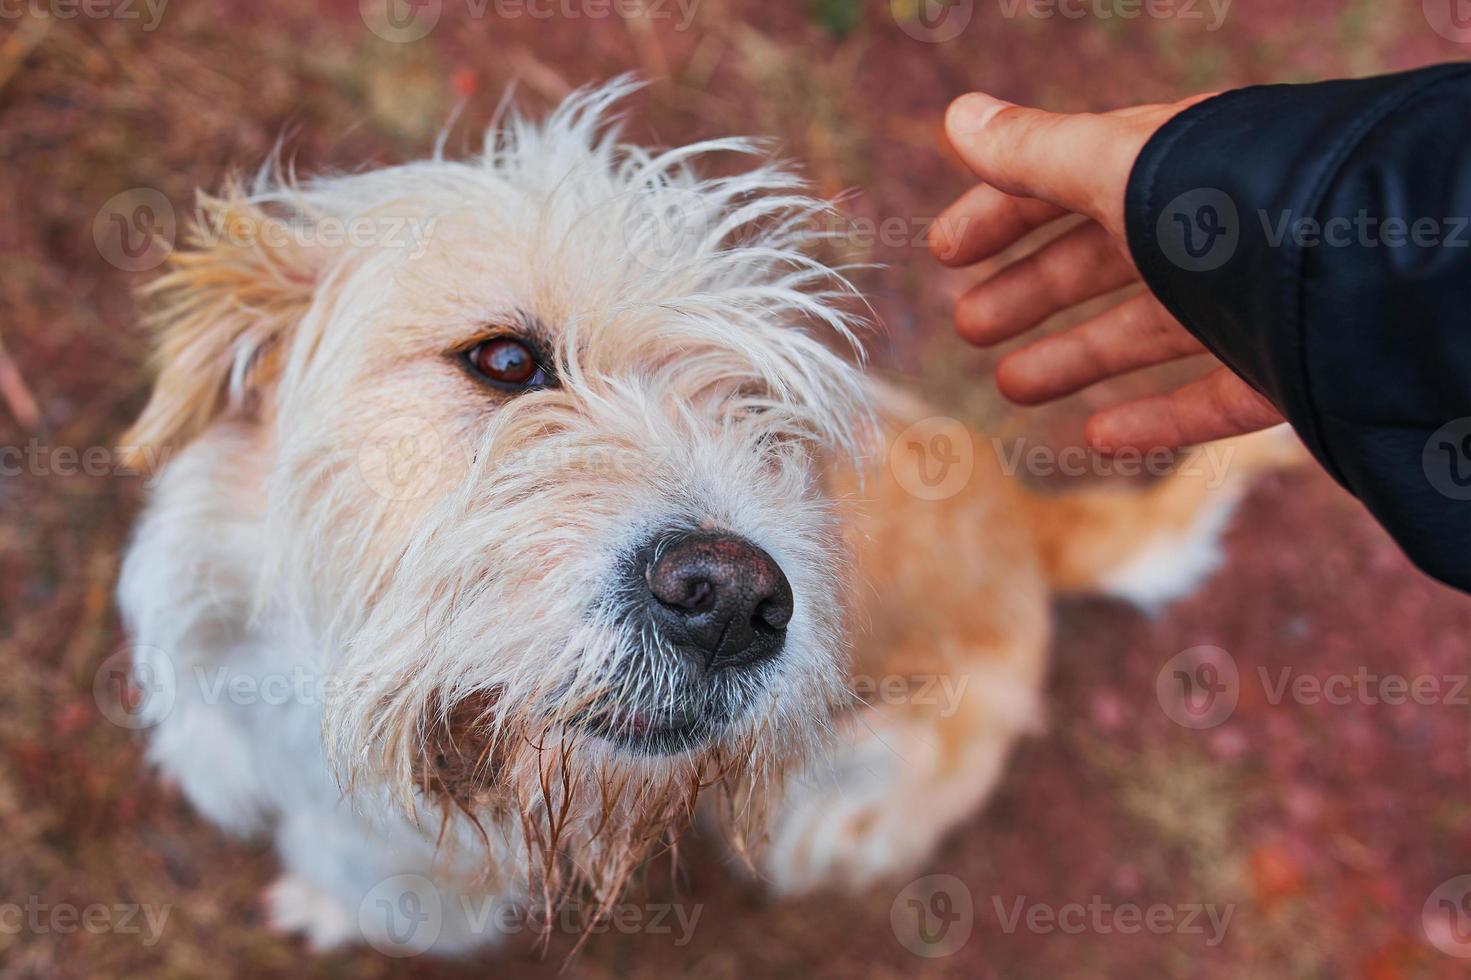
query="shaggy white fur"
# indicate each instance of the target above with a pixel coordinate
(432, 567)
(392, 609)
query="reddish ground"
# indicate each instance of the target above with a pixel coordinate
(1324, 828)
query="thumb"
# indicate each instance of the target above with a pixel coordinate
(1079, 162)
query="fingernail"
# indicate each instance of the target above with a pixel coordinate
(1098, 437)
(970, 113)
(944, 243)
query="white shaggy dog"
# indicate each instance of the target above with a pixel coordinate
(546, 481)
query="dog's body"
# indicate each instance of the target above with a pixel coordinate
(406, 608)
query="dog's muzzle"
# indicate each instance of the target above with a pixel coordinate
(710, 609)
(722, 602)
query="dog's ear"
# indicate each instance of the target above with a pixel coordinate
(220, 317)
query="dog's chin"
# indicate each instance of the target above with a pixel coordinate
(662, 730)
(657, 734)
(705, 712)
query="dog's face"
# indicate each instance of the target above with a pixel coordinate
(544, 476)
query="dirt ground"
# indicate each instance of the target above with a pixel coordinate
(1321, 828)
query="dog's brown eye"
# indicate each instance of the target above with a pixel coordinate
(509, 363)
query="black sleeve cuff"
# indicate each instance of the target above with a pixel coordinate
(1315, 237)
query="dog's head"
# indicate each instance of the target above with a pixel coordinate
(543, 432)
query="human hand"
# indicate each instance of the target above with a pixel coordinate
(1038, 167)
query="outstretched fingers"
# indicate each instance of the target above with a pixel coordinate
(1215, 407)
(984, 221)
(1138, 333)
(1080, 264)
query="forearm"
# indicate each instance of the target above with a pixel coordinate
(1315, 238)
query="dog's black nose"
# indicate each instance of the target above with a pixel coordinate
(719, 598)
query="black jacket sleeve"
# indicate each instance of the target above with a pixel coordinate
(1317, 238)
